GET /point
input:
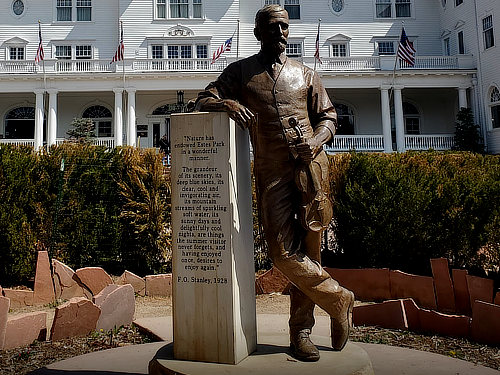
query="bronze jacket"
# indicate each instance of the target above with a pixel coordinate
(296, 93)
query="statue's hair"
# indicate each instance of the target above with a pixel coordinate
(263, 14)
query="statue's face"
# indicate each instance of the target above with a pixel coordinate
(274, 32)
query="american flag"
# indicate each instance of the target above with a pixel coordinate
(39, 52)
(226, 46)
(316, 53)
(406, 51)
(120, 50)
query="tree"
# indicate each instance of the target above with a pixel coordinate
(467, 136)
(82, 130)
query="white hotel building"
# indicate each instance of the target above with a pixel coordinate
(168, 45)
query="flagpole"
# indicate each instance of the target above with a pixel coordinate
(316, 45)
(395, 62)
(238, 40)
(123, 60)
(43, 60)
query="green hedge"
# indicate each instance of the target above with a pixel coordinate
(107, 208)
(399, 210)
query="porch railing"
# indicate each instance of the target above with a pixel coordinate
(109, 142)
(18, 142)
(356, 143)
(438, 142)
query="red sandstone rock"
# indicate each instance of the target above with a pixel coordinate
(480, 289)
(65, 286)
(4, 311)
(77, 317)
(388, 314)
(486, 323)
(420, 288)
(367, 284)
(94, 278)
(444, 287)
(137, 282)
(25, 328)
(412, 314)
(497, 299)
(19, 298)
(103, 294)
(462, 298)
(272, 281)
(117, 308)
(444, 324)
(159, 285)
(44, 287)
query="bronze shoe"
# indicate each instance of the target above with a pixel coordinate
(302, 347)
(342, 323)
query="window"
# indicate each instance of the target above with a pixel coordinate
(385, 48)
(63, 52)
(197, 9)
(64, 9)
(16, 53)
(458, 2)
(495, 108)
(461, 45)
(83, 52)
(446, 46)
(18, 7)
(345, 119)
(339, 49)
(157, 52)
(102, 118)
(202, 51)
(179, 9)
(161, 9)
(20, 123)
(393, 8)
(71, 10)
(84, 10)
(270, 2)
(294, 49)
(411, 119)
(293, 9)
(488, 32)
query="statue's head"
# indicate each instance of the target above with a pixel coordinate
(271, 28)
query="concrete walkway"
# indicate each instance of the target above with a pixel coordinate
(386, 360)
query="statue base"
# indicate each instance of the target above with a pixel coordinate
(272, 357)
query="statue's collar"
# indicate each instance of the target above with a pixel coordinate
(265, 59)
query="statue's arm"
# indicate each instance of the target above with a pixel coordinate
(222, 96)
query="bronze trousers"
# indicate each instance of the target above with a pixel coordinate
(294, 250)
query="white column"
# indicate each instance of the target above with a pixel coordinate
(462, 98)
(399, 119)
(131, 128)
(52, 123)
(386, 118)
(39, 119)
(118, 116)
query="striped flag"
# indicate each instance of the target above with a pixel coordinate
(121, 48)
(39, 52)
(406, 51)
(226, 46)
(316, 53)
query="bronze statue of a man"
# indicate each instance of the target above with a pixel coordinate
(290, 117)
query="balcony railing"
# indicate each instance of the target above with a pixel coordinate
(356, 143)
(329, 64)
(437, 142)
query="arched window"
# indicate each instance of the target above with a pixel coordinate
(102, 118)
(345, 119)
(495, 107)
(20, 123)
(411, 118)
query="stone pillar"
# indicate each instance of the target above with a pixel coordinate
(39, 118)
(399, 119)
(386, 118)
(118, 116)
(212, 242)
(52, 123)
(131, 127)
(462, 98)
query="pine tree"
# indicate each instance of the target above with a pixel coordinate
(467, 136)
(82, 130)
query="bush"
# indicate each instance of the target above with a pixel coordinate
(399, 210)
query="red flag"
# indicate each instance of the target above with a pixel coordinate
(39, 52)
(120, 50)
(406, 51)
(316, 53)
(226, 46)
